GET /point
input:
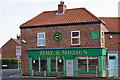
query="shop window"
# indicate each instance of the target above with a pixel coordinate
(75, 37)
(53, 64)
(93, 62)
(60, 64)
(35, 64)
(41, 39)
(43, 64)
(87, 63)
(82, 63)
(56, 64)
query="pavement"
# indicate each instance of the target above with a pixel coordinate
(13, 74)
(19, 77)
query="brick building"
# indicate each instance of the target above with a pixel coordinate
(67, 42)
(9, 48)
(112, 42)
(0, 52)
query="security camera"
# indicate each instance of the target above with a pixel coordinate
(24, 41)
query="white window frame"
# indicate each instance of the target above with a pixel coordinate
(75, 37)
(40, 38)
(102, 38)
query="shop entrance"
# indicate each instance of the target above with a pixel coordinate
(69, 67)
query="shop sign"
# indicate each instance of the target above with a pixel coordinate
(95, 35)
(57, 36)
(66, 52)
(63, 52)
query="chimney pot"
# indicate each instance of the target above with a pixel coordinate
(61, 7)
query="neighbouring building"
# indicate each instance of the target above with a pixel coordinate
(9, 48)
(112, 42)
(64, 42)
(0, 52)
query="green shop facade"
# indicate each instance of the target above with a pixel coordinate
(68, 61)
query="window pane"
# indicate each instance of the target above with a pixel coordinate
(53, 64)
(35, 64)
(41, 36)
(82, 63)
(75, 34)
(102, 34)
(102, 40)
(41, 42)
(93, 62)
(112, 57)
(60, 65)
(75, 40)
(43, 63)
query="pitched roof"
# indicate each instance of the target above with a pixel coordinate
(112, 23)
(15, 40)
(76, 15)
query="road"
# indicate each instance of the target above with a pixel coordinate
(6, 73)
(56, 79)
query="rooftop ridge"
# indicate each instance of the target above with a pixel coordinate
(110, 17)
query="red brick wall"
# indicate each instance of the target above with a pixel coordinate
(30, 35)
(119, 49)
(9, 49)
(113, 44)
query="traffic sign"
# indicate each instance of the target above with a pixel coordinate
(18, 50)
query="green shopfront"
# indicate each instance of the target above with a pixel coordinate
(68, 61)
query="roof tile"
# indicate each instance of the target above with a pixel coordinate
(76, 15)
(112, 23)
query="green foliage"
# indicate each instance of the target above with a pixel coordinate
(10, 61)
(13, 61)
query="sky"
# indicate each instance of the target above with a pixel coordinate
(13, 13)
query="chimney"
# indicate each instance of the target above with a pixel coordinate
(61, 7)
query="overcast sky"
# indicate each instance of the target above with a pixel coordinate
(15, 12)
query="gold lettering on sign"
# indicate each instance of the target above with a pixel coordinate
(57, 53)
(85, 52)
(41, 53)
(76, 52)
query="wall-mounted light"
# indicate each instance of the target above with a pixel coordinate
(33, 61)
(119, 41)
(111, 36)
(24, 41)
(60, 60)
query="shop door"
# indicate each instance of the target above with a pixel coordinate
(112, 66)
(69, 67)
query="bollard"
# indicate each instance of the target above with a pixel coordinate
(21, 73)
(32, 73)
(44, 73)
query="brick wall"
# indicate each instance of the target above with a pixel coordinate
(9, 49)
(30, 35)
(113, 44)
